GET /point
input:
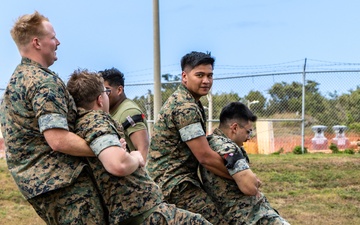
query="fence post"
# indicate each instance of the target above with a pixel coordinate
(303, 111)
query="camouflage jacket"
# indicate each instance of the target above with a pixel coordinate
(236, 207)
(35, 100)
(127, 196)
(170, 159)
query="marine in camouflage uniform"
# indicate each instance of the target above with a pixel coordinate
(126, 112)
(236, 207)
(171, 163)
(56, 184)
(131, 199)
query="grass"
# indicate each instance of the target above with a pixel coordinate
(311, 188)
(305, 189)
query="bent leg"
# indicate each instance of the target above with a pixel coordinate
(168, 214)
(194, 199)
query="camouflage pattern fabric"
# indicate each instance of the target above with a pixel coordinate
(236, 207)
(129, 108)
(125, 197)
(171, 163)
(194, 199)
(170, 215)
(68, 206)
(35, 100)
(170, 159)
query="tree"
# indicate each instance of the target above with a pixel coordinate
(258, 108)
(171, 84)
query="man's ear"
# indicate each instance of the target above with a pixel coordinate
(234, 127)
(184, 77)
(36, 43)
(120, 90)
(99, 101)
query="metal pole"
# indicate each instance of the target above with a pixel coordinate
(210, 112)
(157, 76)
(148, 112)
(303, 111)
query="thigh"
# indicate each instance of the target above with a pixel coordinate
(169, 214)
(78, 203)
(194, 199)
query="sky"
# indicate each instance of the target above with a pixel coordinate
(118, 33)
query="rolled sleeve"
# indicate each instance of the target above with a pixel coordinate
(240, 165)
(191, 131)
(52, 120)
(104, 141)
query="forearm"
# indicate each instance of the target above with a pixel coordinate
(140, 140)
(247, 182)
(67, 142)
(119, 162)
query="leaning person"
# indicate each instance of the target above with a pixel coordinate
(38, 117)
(126, 112)
(179, 144)
(130, 195)
(240, 201)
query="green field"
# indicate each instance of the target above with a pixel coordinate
(321, 189)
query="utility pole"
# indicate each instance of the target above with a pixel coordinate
(157, 80)
(148, 112)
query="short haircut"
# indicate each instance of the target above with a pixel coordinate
(236, 111)
(85, 87)
(113, 76)
(27, 27)
(193, 59)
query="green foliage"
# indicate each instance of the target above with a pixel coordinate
(258, 108)
(281, 150)
(349, 151)
(220, 100)
(355, 126)
(334, 148)
(297, 150)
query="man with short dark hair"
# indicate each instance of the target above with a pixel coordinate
(126, 112)
(240, 200)
(179, 144)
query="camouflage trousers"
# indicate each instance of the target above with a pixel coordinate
(169, 214)
(194, 199)
(273, 221)
(253, 211)
(77, 204)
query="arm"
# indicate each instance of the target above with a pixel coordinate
(119, 162)
(64, 141)
(211, 160)
(247, 182)
(140, 140)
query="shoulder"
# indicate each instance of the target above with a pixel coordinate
(221, 144)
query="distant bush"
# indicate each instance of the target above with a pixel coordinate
(281, 150)
(334, 148)
(349, 151)
(297, 150)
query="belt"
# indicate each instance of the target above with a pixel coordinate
(139, 218)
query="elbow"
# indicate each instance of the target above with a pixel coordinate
(250, 191)
(56, 145)
(118, 170)
(205, 160)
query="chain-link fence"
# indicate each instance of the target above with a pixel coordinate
(290, 100)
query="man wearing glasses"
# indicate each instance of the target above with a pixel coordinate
(240, 200)
(126, 112)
